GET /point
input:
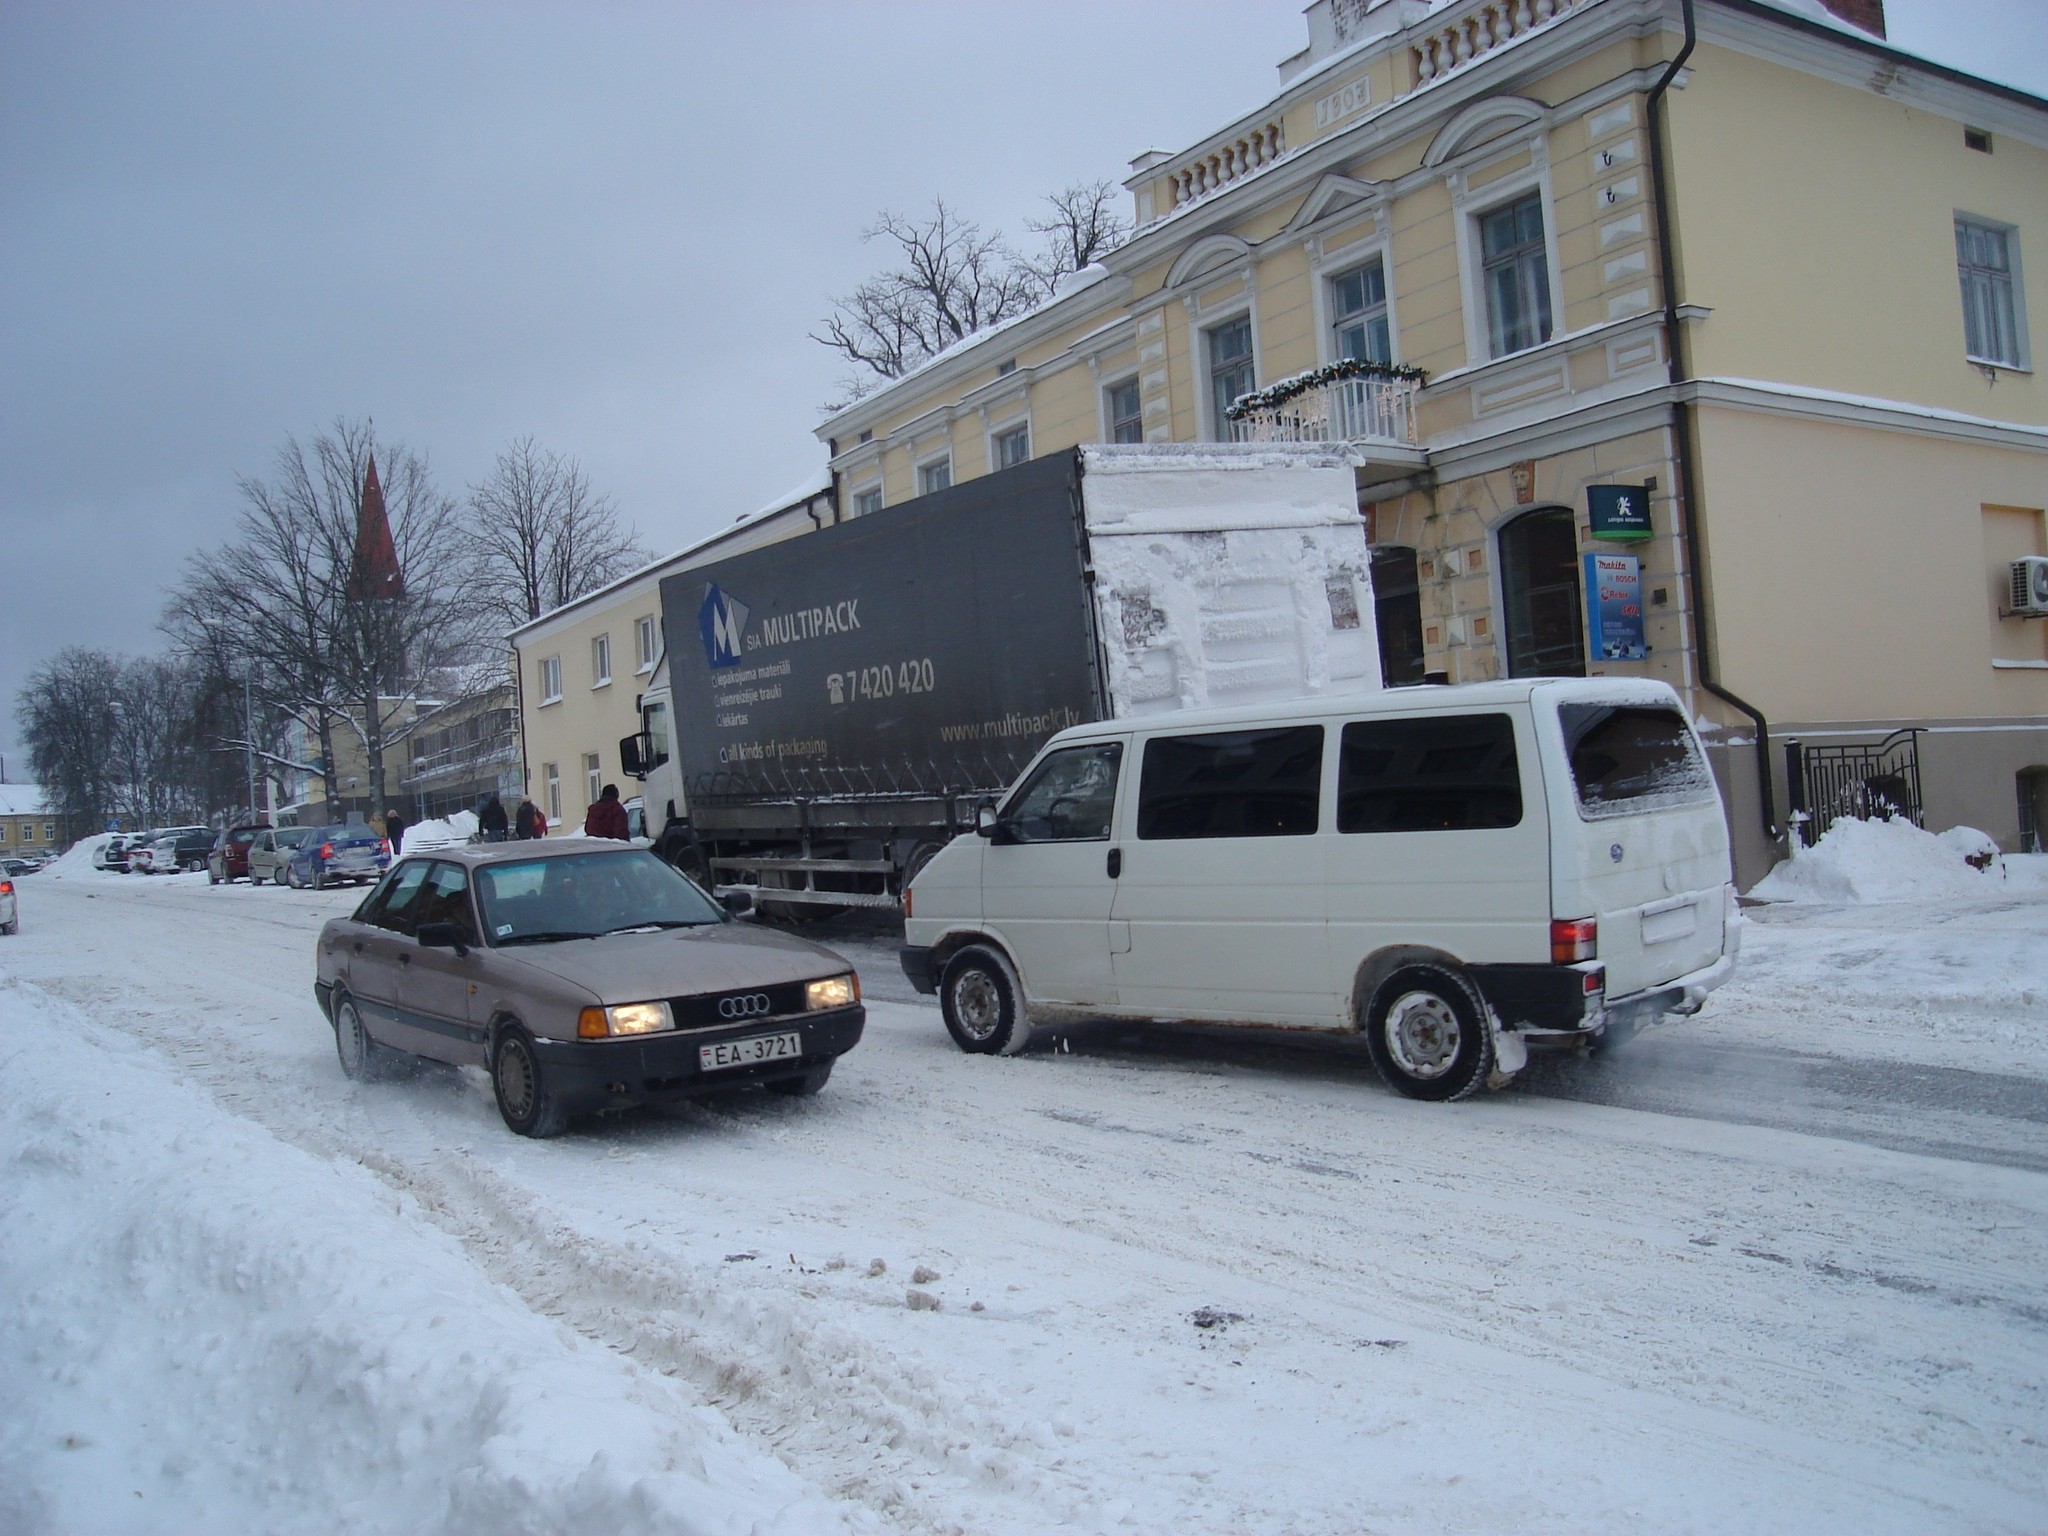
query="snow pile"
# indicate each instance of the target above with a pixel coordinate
(1869, 861)
(203, 1328)
(421, 835)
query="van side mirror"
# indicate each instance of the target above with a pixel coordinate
(985, 821)
(738, 903)
(442, 936)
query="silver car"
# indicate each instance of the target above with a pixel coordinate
(581, 974)
(271, 854)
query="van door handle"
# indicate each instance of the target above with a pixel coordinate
(1116, 862)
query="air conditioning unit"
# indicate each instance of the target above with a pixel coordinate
(2030, 588)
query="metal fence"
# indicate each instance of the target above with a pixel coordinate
(1878, 781)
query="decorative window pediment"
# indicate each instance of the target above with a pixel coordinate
(1210, 254)
(1493, 118)
(1333, 194)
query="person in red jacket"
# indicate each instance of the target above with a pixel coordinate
(607, 818)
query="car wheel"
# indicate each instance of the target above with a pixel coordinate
(13, 926)
(1427, 1037)
(804, 1086)
(521, 1085)
(984, 1003)
(212, 878)
(319, 879)
(363, 1060)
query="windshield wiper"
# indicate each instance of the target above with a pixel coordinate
(653, 925)
(548, 937)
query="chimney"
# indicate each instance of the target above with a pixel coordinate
(1867, 14)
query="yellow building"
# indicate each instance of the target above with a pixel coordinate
(27, 823)
(1739, 274)
(580, 670)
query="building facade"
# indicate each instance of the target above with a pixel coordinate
(28, 824)
(1681, 341)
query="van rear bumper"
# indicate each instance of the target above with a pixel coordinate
(1555, 999)
(1684, 995)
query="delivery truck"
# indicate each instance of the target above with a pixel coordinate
(830, 710)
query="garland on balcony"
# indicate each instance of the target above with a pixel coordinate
(1276, 395)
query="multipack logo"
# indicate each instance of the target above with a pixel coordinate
(722, 621)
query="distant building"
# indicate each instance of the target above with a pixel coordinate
(28, 824)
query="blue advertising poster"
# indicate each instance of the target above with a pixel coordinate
(1614, 607)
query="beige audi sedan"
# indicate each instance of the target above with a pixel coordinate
(581, 974)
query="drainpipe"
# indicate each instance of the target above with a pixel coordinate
(1681, 410)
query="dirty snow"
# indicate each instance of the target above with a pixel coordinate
(438, 833)
(1866, 861)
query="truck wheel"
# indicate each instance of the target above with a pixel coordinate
(1427, 1037)
(984, 1003)
(804, 1086)
(521, 1086)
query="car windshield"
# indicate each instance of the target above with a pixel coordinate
(291, 837)
(585, 895)
(347, 834)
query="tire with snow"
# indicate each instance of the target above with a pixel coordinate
(1427, 1035)
(983, 1003)
(520, 1084)
(363, 1060)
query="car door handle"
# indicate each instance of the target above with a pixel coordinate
(404, 959)
(359, 946)
(1116, 862)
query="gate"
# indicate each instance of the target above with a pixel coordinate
(1880, 781)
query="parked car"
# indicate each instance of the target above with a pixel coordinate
(19, 866)
(1456, 874)
(228, 858)
(272, 850)
(336, 853)
(113, 853)
(581, 974)
(158, 856)
(10, 907)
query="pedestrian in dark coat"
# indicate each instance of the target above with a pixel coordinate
(394, 831)
(492, 820)
(607, 818)
(529, 821)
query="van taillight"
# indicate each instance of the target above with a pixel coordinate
(327, 852)
(906, 901)
(1573, 939)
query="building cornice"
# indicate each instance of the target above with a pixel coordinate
(1867, 411)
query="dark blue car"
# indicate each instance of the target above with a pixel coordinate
(337, 853)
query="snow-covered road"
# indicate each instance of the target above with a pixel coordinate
(1783, 1268)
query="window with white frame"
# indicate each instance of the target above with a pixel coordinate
(1987, 264)
(550, 679)
(1012, 446)
(1230, 369)
(600, 660)
(935, 476)
(551, 776)
(867, 501)
(1126, 412)
(1515, 273)
(593, 778)
(49, 831)
(645, 639)
(1358, 314)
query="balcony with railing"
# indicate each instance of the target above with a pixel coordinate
(1366, 412)
(1460, 34)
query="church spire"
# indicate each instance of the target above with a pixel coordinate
(376, 572)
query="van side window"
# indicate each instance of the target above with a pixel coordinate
(1628, 758)
(1233, 784)
(1069, 799)
(1433, 773)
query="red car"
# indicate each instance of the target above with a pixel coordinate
(229, 858)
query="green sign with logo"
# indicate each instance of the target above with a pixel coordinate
(1620, 512)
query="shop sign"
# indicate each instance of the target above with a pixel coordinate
(1614, 607)
(1620, 512)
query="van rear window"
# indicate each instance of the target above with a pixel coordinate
(1231, 784)
(1628, 758)
(1433, 773)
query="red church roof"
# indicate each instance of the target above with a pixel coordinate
(376, 572)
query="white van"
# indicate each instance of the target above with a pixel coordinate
(1457, 872)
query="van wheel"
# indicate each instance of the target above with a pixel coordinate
(521, 1086)
(1426, 1035)
(984, 1003)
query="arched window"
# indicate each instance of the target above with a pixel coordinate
(1539, 578)
(1397, 613)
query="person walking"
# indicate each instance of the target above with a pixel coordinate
(529, 822)
(607, 818)
(394, 830)
(491, 819)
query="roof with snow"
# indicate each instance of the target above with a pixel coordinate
(23, 800)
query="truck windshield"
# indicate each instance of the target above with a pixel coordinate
(586, 895)
(1630, 758)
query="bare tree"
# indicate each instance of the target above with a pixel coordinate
(69, 715)
(539, 537)
(1081, 226)
(948, 281)
(340, 630)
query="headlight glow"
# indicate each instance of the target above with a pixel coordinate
(833, 992)
(639, 1018)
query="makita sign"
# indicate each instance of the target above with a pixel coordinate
(722, 623)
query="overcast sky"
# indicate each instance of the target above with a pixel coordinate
(609, 226)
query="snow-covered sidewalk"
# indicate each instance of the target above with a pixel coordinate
(1173, 1293)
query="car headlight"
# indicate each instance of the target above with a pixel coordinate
(833, 992)
(624, 1019)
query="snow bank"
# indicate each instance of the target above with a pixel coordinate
(1869, 861)
(203, 1328)
(459, 828)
